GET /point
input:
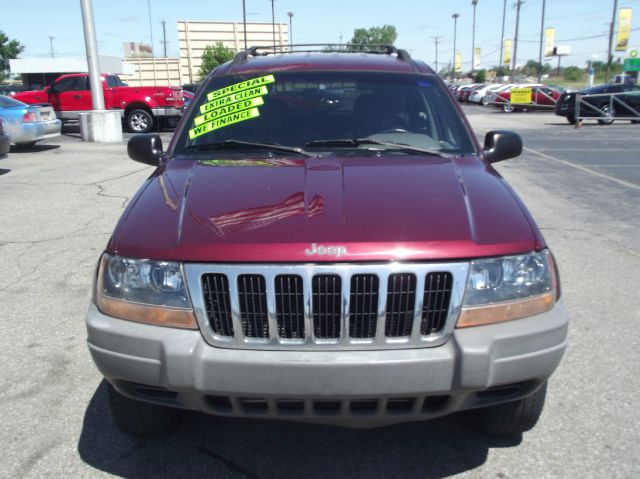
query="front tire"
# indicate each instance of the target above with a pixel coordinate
(610, 112)
(508, 108)
(513, 417)
(140, 120)
(142, 419)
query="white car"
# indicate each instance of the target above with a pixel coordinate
(477, 96)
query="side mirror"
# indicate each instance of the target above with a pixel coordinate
(501, 145)
(145, 148)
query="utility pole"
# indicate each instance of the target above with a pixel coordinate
(51, 43)
(150, 26)
(455, 32)
(244, 22)
(473, 36)
(436, 40)
(504, 14)
(164, 36)
(611, 29)
(290, 27)
(541, 43)
(273, 23)
(515, 40)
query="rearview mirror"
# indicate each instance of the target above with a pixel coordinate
(501, 145)
(145, 148)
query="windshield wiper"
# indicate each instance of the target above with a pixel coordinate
(355, 142)
(231, 144)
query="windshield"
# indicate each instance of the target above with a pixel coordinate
(305, 110)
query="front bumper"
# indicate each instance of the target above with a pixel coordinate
(476, 367)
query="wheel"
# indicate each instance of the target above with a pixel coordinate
(142, 419)
(26, 144)
(572, 119)
(513, 417)
(140, 121)
(609, 113)
(485, 100)
(507, 108)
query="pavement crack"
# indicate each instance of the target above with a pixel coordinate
(229, 463)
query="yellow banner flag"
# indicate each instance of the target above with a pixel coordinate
(507, 51)
(458, 67)
(624, 29)
(476, 59)
(549, 41)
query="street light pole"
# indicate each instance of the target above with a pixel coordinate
(290, 27)
(504, 14)
(541, 40)
(244, 22)
(436, 40)
(611, 28)
(150, 26)
(473, 36)
(91, 45)
(273, 23)
(455, 32)
(515, 40)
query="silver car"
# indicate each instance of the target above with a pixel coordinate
(26, 124)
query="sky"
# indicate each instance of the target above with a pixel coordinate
(581, 24)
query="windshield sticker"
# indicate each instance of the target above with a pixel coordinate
(231, 104)
(243, 95)
(226, 110)
(244, 85)
(223, 121)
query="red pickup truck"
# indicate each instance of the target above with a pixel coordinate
(141, 107)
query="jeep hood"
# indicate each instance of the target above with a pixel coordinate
(392, 207)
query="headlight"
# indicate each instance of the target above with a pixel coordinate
(511, 287)
(144, 290)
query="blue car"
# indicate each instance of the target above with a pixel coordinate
(26, 124)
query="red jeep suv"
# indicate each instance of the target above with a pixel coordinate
(324, 240)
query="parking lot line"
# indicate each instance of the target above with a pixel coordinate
(584, 169)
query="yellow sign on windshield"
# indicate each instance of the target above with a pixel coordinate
(231, 104)
(520, 96)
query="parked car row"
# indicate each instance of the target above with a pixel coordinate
(499, 95)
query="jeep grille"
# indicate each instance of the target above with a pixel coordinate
(340, 306)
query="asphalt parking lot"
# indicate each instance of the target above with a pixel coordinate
(60, 200)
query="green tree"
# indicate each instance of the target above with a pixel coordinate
(213, 56)
(480, 76)
(9, 49)
(384, 35)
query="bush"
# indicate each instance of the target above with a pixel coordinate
(573, 74)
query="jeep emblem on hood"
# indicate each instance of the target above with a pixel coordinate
(326, 250)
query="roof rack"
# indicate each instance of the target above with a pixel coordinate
(321, 48)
